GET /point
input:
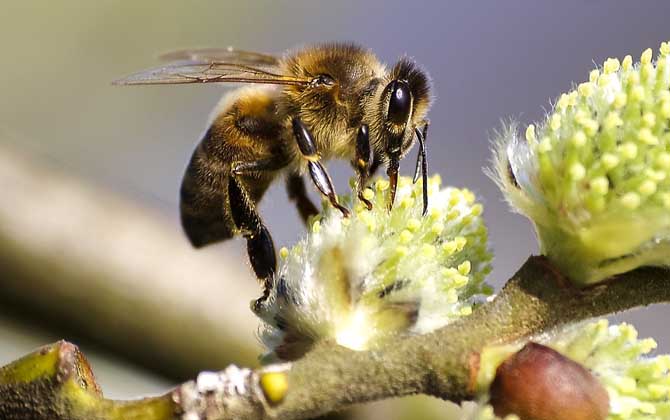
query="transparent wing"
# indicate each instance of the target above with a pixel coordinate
(225, 55)
(189, 71)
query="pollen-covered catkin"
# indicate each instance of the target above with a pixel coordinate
(377, 274)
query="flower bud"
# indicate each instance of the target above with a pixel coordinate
(538, 383)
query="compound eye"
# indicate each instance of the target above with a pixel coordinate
(400, 102)
(323, 80)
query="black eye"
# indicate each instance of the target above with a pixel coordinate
(323, 80)
(400, 102)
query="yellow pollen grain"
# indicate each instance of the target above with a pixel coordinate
(599, 185)
(461, 241)
(459, 280)
(645, 57)
(627, 62)
(611, 65)
(655, 175)
(593, 75)
(630, 200)
(405, 236)
(382, 185)
(648, 187)
(563, 102)
(637, 93)
(449, 247)
(665, 48)
(577, 171)
(283, 252)
(604, 80)
(609, 161)
(434, 213)
(663, 160)
(469, 196)
(530, 133)
(406, 202)
(649, 119)
(646, 137)
(665, 199)
(579, 138)
(555, 122)
(477, 210)
(620, 100)
(585, 89)
(401, 251)
(428, 250)
(452, 296)
(453, 215)
(545, 145)
(665, 109)
(413, 225)
(467, 219)
(628, 150)
(368, 194)
(466, 310)
(437, 228)
(612, 120)
(590, 126)
(464, 267)
(274, 386)
(316, 227)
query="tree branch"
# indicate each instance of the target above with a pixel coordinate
(442, 363)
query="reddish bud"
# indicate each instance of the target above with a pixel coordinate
(538, 383)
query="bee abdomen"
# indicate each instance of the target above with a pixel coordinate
(202, 200)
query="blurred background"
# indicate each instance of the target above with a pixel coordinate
(489, 60)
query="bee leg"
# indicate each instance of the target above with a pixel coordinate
(317, 171)
(261, 165)
(260, 247)
(362, 162)
(422, 165)
(295, 185)
(376, 163)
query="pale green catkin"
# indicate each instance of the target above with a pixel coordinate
(362, 279)
(594, 176)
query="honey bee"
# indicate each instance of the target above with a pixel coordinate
(314, 104)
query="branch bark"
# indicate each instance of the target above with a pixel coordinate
(442, 364)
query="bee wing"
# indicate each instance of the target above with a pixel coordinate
(190, 71)
(225, 55)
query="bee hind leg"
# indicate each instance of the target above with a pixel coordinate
(260, 246)
(295, 186)
(317, 171)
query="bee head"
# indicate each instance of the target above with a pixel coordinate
(401, 106)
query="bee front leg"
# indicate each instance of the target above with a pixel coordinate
(422, 164)
(295, 186)
(362, 162)
(317, 171)
(260, 246)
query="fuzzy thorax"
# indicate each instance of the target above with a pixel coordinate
(360, 280)
(594, 176)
